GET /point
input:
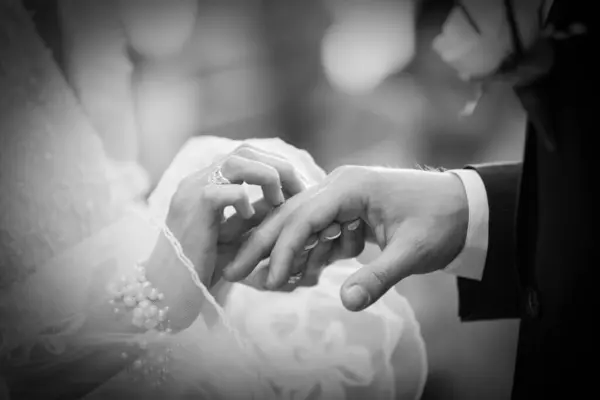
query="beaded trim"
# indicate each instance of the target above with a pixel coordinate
(136, 294)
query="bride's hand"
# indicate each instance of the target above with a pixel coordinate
(196, 213)
(196, 219)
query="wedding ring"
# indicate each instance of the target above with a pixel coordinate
(296, 278)
(216, 177)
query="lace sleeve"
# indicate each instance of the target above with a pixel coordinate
(60, 330)
(43, 316)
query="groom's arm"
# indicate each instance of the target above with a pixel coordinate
(487, 277)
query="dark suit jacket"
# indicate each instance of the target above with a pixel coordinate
(540, 261)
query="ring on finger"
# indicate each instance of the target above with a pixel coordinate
(297, 277)
(216, 177)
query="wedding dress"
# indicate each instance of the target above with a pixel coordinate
(66, 224)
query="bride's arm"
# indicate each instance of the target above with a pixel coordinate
(108, 341)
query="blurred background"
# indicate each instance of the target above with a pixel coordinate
(351, 81)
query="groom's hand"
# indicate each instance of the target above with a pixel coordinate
(418, 218)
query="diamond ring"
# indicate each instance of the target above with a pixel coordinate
(216, 177)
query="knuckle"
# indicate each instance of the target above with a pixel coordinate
(185, 194)
(277, 142)
(270, 173)
(379, 278)
(241, 196)
(286, 167)
(245, 150)
(230, 164)
(305, 154)
(355, 180)
(290, 172)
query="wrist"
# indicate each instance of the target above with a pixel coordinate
(167, 272)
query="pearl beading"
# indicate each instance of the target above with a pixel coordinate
(136, 294)
(152, 367)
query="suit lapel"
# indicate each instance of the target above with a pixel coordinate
(536, 100)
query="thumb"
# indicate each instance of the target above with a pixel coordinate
(372, 281)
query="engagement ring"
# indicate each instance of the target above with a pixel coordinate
(217, 178)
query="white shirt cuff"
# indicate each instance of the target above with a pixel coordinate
(470, 262)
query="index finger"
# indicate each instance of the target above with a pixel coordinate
(291, 178)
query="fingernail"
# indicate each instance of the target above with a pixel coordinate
(358, 297)
(311, 246)
(354, 225)
(334, 236)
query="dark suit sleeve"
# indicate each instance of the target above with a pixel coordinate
(496, 296)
